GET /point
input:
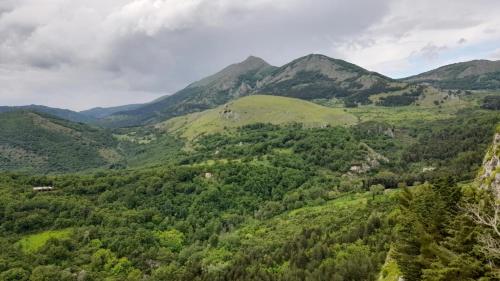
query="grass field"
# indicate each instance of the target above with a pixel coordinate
(257, 109)
(31, 243)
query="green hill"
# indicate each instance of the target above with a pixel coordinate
(471, 75)
(37, 142)
(256, 109)
(58, 112)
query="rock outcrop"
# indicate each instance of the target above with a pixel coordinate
(489, 177)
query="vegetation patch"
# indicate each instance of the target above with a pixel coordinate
(34, 242)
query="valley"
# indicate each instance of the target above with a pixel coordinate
(315, 170)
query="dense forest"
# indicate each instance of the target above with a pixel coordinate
(263, 202)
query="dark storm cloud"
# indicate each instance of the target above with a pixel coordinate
(80, 53)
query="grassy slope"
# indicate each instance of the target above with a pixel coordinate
(426, 111)
(31, 243)
(257, 109)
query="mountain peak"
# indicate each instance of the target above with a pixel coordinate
(252, 62)
(254, 59)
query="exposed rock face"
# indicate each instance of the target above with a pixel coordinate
(228, 113)
(490, 174)
(372, 160)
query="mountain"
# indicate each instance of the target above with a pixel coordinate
(233, 81)
(58, 112)
(32, 141)
(102, 112)
(256, 109)
(310, 77)
(471, 75)
(318, 76)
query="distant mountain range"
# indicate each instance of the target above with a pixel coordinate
(310, 77)
(88, 116)
(58, 112)
(102, 112)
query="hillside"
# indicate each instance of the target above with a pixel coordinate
(36, 142)
(272, 201)
(256, 109)
(58, 112)
(232, 82)
(318, 76)
(471, 75)
(102, 112)
(309, 77)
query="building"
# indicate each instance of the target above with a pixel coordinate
(43, 188)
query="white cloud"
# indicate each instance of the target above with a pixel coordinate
(423, 30)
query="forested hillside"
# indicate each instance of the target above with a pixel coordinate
(449, 231)
(261, 202)
(35, 142)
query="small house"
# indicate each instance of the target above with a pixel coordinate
(43, 188)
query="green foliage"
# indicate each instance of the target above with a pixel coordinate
(456, 145)
(34, 242)
(41, 143)
(401, 100)
(171, 222)
(436, 240)
(491, 102)
(260, 202)
(171, 239)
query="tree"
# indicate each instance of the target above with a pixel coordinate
(487, 214)
(14, 274)
(377, 189)
(172, 239)
(50, 273)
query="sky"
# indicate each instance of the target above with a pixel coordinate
(79, 54)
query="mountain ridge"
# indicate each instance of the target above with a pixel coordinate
(66, 114)
(468, 75)
(309, 77)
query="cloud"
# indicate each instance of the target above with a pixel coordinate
(495, 55)
(73, 53)
(431, 52)
(418, 36)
